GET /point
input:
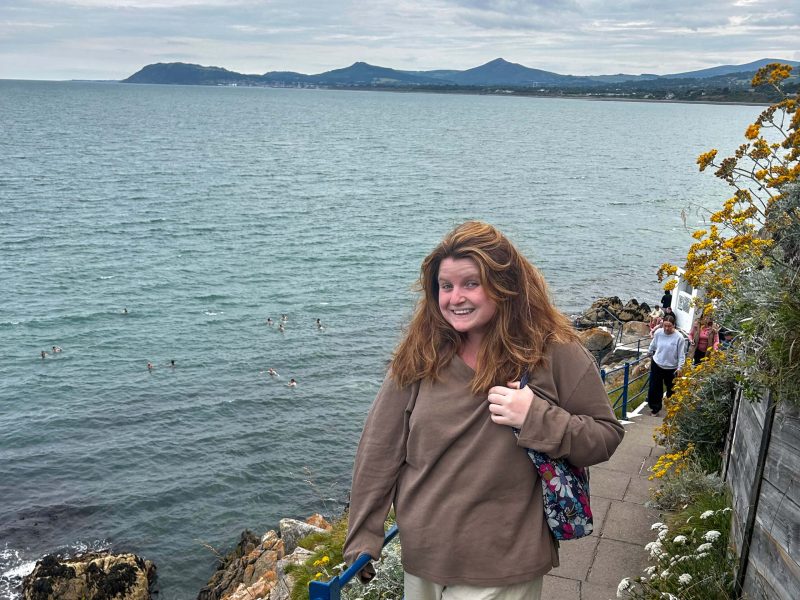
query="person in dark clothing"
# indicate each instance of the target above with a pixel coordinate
(666, 299)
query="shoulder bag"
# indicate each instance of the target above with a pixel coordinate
(566, 493)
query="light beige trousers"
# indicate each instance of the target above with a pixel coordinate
(420, 589)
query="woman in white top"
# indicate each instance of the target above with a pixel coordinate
(667, 352)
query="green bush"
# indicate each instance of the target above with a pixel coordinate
(690, 557)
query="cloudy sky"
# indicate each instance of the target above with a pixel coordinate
(111, 39)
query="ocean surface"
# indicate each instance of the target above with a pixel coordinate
(155, 223)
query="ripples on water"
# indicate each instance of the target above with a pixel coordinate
(205, 210)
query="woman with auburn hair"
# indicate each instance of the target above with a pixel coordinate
(438, 441)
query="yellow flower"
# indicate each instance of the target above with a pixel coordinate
(752, 131)
(706, 159)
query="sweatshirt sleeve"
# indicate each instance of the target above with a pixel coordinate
(380, 455)
(580, 426)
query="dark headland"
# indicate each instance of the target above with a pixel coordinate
(724, 83)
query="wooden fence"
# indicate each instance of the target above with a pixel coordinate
(763, 471)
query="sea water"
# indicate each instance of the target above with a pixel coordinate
(150, 224)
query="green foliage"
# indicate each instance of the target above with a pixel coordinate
(704, 423)
(388, 581)
(690, 557)
(763, 309)
(327, 561)
(679, 490)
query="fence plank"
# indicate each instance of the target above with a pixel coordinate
(744, 457)
(772, 573)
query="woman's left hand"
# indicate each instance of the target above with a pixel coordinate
(509, 405)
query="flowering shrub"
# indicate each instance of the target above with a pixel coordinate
(690, 558)
(748, 259)
(758, 172)
(679, 487)
(697, 416)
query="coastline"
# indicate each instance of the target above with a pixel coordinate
(464, 92)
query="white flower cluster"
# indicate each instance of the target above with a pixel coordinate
(711, 536)
(624, 585)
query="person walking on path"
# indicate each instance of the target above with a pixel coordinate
(667, 352)
(438, 441)
(703, 336)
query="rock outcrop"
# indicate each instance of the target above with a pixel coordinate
(597, 341)
(611, 309)
(95, 576)
(256, 568)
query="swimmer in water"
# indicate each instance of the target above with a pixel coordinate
(125, 311)
(269, 321)
(320, 325)
(150, 366)
(56, 349)
(292, 383)
(272, 372)
(44, 354)
(281, 328)
(284, 318)
(172, 363)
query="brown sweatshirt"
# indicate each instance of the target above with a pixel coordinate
(467, 498)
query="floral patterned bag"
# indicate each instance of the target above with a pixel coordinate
(566, 496)
(566, 493)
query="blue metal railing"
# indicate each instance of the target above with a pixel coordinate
(624, 389)
(331, 590)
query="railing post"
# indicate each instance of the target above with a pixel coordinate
(330, 590)
(625, 390)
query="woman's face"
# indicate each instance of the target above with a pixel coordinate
(462, 297)
(669, 327)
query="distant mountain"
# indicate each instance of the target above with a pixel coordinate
(187, 74)
(502, 72)
(622, 77)
(436, 74)
(725, 80)
(748, 68)
(361, 73)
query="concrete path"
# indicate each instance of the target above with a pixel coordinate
(592, 567)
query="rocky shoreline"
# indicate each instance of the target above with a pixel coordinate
(257, 567)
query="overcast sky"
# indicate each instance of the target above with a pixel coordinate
(111, 39)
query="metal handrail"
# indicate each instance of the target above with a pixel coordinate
(621, 324)
(626, 382)
(331, 590)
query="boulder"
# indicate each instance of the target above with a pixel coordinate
(93, 576)
(292, 531)
(317, 520)
(611, 309)
(635, 330)
(598, 341)
(256, 569)
(633, 311)
(247, 566)
(282, 590)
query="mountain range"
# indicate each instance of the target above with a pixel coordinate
(498, 72)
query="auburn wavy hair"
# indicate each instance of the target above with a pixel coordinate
(524, 323)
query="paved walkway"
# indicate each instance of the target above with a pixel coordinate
(592, 567)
